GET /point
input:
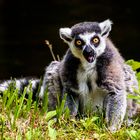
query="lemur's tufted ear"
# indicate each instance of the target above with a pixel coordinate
(105, 27)
(65, 34)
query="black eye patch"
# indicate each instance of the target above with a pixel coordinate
(95, 40)
(78, 42)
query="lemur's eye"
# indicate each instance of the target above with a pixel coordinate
(78, 42)
(95, 40)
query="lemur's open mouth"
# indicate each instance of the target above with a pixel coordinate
(89, 56)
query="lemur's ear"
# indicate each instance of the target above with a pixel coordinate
(105, 27)
(65, 34)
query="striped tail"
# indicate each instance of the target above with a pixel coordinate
(20, 84)
(51, 83)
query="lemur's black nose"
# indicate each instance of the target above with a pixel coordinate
(89, 49)
(89, 54)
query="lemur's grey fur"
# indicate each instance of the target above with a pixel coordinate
(92, 73)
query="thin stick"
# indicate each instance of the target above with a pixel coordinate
(58, 58)
(50, 47)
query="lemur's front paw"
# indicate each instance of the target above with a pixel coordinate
(112, 129)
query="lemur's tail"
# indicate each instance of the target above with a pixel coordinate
(20, 84)
(50, 82)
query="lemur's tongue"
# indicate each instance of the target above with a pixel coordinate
(90, 59)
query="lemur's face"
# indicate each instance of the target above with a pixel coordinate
(87, 40)
(88, 45)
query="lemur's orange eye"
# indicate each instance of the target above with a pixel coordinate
(95, 40)
(78, 42)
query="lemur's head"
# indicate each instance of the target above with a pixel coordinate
(87, 40)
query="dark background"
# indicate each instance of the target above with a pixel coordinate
(25, 25)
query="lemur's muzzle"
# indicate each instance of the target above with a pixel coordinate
(89, 54)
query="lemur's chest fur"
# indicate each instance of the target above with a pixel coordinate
(90, 94)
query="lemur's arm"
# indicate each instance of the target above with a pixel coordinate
(72, 101)
(68, 76)
(113, 81)
(115, 108)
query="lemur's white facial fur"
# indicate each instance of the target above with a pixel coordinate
(87, 40)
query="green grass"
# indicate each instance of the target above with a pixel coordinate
(21, 118)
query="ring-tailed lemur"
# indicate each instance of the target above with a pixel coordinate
(92, 73)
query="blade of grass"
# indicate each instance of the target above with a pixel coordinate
(60, 107)
(45, 102)
(4, 98)
(11, 98)
(2, 128)
(18, 109)
(50, 115)
(29, 100)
